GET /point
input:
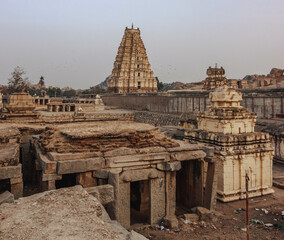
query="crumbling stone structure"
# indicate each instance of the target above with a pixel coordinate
(10, 167)
(20, 105)
(149, 172)
(215, 78)
(230, 129)
(77, 105)
(132, 70)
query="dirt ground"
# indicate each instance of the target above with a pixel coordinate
(231, 223)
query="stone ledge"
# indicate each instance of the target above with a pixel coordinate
(80, 165)
(54, 156)
(169, 166)
(11, 172)
(188, 155)
(138, 159)
(140, 174)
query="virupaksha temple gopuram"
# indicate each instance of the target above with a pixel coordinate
(139, 157)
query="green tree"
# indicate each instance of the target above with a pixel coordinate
(41, 82)
(54, 92)
(160, 85)
(17, 83)
(69, 93)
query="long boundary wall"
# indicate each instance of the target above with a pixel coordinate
(265, 103)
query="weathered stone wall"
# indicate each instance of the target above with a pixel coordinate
(266, 103)
(276, 132)
(157, 119)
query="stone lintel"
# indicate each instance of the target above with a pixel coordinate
(80, 165)
(139, 159)
(141, 174)
(50, 177)
(169, 166)
(185, 147)
(54, 156)
(101, 174)
(188, 155)
(11, 172)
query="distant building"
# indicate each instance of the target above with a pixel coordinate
(132, 70)
(215, 78)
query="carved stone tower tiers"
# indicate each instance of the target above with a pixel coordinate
(215, 78)
(132, 70)
(229, 128)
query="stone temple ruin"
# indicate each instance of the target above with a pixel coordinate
(10, 166)
(145, 169)
(229, 127)
(136, 171)
(215, 78)
(139, 174)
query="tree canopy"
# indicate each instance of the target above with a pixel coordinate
(17, 83)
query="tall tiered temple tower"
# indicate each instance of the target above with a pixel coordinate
(215, 78)
(132, 70)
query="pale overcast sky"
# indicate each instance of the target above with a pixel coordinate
(74, 42)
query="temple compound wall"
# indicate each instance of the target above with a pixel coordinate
(132, 70)
(229, 128)
(276, 132)
(10, 166)
(147, 172)
(265, 103)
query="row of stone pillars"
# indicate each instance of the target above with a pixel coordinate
(61, 107)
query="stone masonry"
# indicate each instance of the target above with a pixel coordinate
(132, 70)
(229, 128)
(10, 167)
(136, 163)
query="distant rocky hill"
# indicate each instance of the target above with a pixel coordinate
(272, 80)
(103, 84)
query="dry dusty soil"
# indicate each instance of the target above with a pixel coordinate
(229, 224)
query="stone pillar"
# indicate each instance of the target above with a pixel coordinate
(157, 200)
(123, 204)
(86, 179)
(48, 185)
(16, 187)
(170, 218)
(210, 194)
(56, 108)
(113, 179)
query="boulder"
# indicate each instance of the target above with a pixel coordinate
(6, 197)
(276, 72)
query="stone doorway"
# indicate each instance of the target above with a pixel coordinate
(68, 180)
(139, 202)
(189, 186)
